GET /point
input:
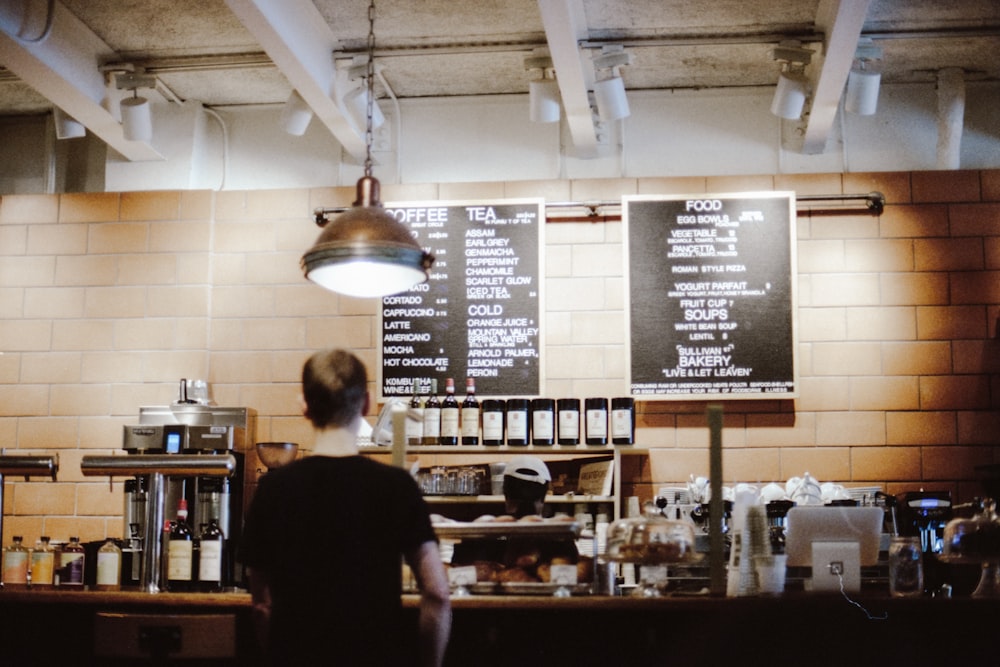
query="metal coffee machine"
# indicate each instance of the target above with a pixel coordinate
(188, 429)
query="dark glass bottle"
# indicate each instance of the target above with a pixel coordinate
(543, 414)
(415, 418)
(518, 428)
(470, 414)
(432, 416)
(569, 420)
(211, 558)
(180, 552)
(492, 422)
(596, 420)
(623, 421)
(449, 415)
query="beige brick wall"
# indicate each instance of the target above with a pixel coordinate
(107, 299)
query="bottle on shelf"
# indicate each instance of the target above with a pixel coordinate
(15, 564)
(432, 417)
(543, 412)
(109, 567)
(493, 422)
(596, 421)
(449, 415)
(180, 551)
(43, 563)
(470, 414)
(211, 558)
(415, 418)
(72, 558)
(569, 421)
(517, 422)
(623, 421)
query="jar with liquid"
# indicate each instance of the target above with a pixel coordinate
(15, 564)
(109, 567)
(43, 563)
(69, 572)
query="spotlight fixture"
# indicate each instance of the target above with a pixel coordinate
(793, 86)
(67, 127)
(864, 79)
(365, 252)
(295, 115)
(137, 117)
(543, 89)
(609, 89)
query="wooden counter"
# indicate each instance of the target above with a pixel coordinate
(811, 630)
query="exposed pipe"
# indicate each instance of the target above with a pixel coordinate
(951, 116)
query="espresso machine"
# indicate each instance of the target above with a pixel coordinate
(188, 430)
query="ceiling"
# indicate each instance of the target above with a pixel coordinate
(250, 52)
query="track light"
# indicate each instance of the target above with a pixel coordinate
(864, 79)
(67, 127)
(609, 89)
(793, 86)
(136, 114)
(295, 115)
(356, 104)
(543, 89)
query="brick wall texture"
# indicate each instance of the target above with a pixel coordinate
(107, 299)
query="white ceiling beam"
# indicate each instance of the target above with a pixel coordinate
(60, 57)
(298, 40)
(841, 22)
(565, 27)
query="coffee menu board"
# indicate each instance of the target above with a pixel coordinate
(479, 314)
(711, 295)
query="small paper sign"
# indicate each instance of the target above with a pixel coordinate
(564, 575)
(462, 576)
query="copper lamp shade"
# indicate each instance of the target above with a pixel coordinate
(365, 252)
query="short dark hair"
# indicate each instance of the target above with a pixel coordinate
(334, 386)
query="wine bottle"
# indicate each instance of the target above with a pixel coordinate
(210, 558)
(415, 418)
(432, 416)
(470, 414)
(180, 552)
(449, 415)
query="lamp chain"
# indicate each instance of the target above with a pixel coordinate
(370, 83)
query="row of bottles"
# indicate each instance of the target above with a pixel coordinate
(516, 422)
(44, 565)
(193, 564)
(190, 565)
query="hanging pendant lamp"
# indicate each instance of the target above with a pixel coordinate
(365, 252)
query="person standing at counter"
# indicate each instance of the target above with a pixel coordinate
(324, 536)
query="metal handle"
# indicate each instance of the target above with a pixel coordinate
(30, 466)
(204, 465)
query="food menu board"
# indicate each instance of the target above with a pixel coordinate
(711, 295)
(479, 314)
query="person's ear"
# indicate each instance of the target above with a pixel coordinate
(304, 406)
(367, 404)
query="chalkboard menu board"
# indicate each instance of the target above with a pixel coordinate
(479, 314)
(711, 295)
